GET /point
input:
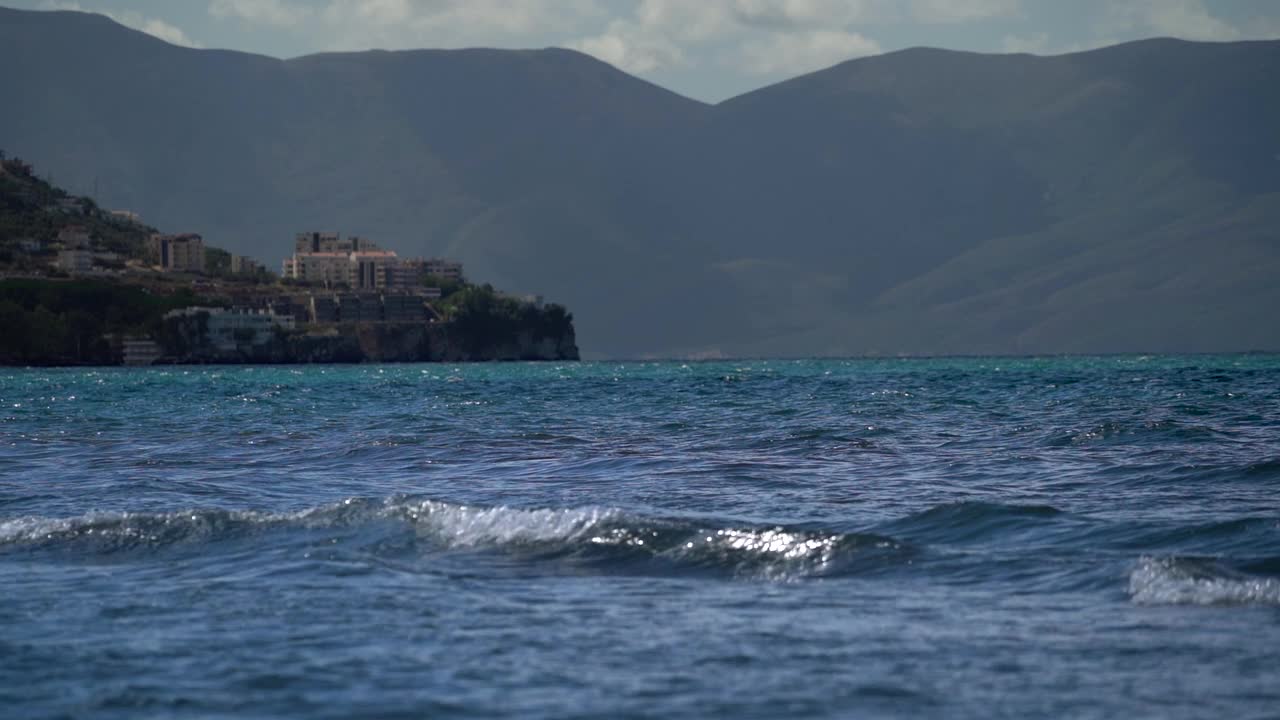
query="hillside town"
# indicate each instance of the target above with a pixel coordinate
(326, 281)
(173, 298)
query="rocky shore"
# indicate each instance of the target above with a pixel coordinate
(386, 342)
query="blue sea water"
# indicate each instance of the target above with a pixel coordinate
(1080, 537)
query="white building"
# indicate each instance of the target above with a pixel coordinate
(374, 269)
(74, 237)
(76, 262)
(327, 268)
(230, 329)
(358, 270)
(327, 259)
(140, 351)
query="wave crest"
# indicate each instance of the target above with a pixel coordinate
(106, 532)
(1190, 581)
(609, 540)
(465, 526)
(603, 540)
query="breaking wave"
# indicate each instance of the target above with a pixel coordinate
(1193, 581)
(604, 539)
(968, 541)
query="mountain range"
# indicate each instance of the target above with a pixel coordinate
(926, 201)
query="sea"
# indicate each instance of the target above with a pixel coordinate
(1079, 537)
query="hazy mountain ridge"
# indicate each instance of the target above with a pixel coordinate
(922, 201)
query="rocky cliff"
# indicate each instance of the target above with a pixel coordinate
(372, 342)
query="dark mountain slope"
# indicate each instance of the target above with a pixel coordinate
(1114, 200)
(920, 201)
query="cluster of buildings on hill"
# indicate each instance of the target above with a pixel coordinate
(319, 258)
(226, 330)
(171, 253)
(328, 307)
(254, 323)
(330, 260)
(182, 253)
(185, 252)
(77, 255)
(351, 280)
(362, 283)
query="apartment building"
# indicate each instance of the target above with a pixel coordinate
(356, 263)
(441, 268)
(360, 270)
(229, 329)
(368, 307)
(179, 253)
(244, 265)
(325, 242)
(75, 262)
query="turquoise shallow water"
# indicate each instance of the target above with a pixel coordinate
(1084, 537)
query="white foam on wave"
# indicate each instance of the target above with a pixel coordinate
(34, 529)
(1169, 581)
(764, 553)
(775, 543)
(770, 554)
(465, 526)
(458, 525)
(31, 528)
(140, 526)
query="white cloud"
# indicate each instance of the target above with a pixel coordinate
(1036, 43)
(652, 37)
(161, 29)
(639, 36)
(764, 36)
(361, 24)
(1187, 19)
(687, 21)
(804, 52)
(852, 16)
(957, 11)
(1039, 43)
(151, 26)
(381, 13)
(278, 13)
(629, 47)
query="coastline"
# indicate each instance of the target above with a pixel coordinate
(88, 323)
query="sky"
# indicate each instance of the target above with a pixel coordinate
(706, 49)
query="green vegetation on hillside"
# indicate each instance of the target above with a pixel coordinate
(56, 322)
(447, 286)
(484, 318)
(33, 209)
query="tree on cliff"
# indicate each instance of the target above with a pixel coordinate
(484, 318)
